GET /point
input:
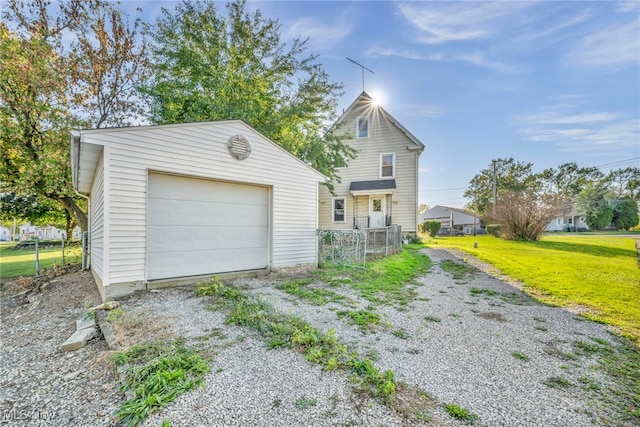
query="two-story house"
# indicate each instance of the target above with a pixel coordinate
(380, 186)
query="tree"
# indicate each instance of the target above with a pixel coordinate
(423, 207)
(211, 67)
(569, 179)
(48, 87)
(507, 174)
(625, 213)
(523, 215)
(625, 182)
(594, 201)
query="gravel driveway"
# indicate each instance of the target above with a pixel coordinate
(475, 342)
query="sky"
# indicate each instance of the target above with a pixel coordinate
(545, 82)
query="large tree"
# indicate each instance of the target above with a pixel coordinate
(569, 179)
(625, 213)
(595, 201)
(212, 66)
(506, 175)
(61, 68)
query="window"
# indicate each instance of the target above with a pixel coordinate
(362, 127)
(559, 221)
(339, 208)
(387, 165)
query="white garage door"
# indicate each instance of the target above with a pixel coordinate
(198, 227)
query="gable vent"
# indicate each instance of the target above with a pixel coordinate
(239, 147)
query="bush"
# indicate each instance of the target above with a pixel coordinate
(431, 227)
(493, 229)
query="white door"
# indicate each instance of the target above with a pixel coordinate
(198, 227)
(376, 211)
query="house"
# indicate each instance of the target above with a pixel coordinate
(451, 218)
(379, 187)
(49, 232)
(5, 234)
(569, 219)
(173, 204)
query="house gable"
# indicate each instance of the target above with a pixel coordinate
(386, 164)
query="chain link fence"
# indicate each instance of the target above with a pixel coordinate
(353, 247)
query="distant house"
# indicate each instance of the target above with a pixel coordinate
(49, 232)
(570, 218)
(451, 218)
(379, 187)
(5, 234)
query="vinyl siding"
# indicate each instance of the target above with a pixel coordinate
(200, 150)
(96, 228)
(384, 138)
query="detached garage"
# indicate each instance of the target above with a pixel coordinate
(175, 203)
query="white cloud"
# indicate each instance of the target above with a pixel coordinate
(627, 6)
(442, 22)
(588, 132)
(423, 110)
(321, 34)
(477, 58)
(581, 17)
(609, 48)
(425, 169)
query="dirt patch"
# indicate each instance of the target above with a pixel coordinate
(490, 315)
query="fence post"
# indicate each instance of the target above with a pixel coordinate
(37, 257)
(386, 241)
(62, 252)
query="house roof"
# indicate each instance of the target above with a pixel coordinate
(362, 188)
(85, 156)
(386, 184)
(365, 97)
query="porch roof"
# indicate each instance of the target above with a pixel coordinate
(385, 186)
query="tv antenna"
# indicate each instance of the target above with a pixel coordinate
(363, 68)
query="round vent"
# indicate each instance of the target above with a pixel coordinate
(239, 147)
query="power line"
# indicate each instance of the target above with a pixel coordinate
(616, 163)
(444, 189)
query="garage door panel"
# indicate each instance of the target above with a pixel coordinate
(170, 187)
(198, 227)
(173, 213)
(205, 262)
(203, 237)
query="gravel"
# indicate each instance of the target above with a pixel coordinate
(456, 345)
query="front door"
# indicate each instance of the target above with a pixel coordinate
(376, 211)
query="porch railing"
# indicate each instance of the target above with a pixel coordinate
(361, 222)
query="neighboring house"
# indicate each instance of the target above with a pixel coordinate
(452, 218)
(176, 203)
(49, 232)
(5, 234)
(568, 219)
(77, 233)
(380, 186)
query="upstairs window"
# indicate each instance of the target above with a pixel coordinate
(339, 208)
(387, 165)
(362, 127)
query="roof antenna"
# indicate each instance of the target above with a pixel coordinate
(363, 68)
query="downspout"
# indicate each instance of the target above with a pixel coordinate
(76, 140)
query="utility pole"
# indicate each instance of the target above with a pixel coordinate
(363, 68)
(495, 192)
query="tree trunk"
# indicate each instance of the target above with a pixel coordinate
(72, 207)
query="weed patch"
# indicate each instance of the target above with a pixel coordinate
(477, 292)
(366, 319)
(434, 318)
(558, 382)
(519, 355)
(315, 296)
(458, 270)
(457, 411)
(156, 374)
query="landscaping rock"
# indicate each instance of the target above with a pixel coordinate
(79, 339)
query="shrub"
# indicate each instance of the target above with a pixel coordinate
(493, 229)
(431, 227)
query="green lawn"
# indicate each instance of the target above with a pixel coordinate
(15, 263)
(598, 272)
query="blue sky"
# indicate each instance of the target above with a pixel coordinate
(544, 82)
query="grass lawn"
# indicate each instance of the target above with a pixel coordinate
(599, 272)
(21, 262)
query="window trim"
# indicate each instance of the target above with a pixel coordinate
(333, 209)
(358, 127)
(393, 165)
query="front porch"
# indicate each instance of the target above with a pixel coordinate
(372, 203)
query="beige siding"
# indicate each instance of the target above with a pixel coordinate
(200, 150)
(384, 138)
(96, 228)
